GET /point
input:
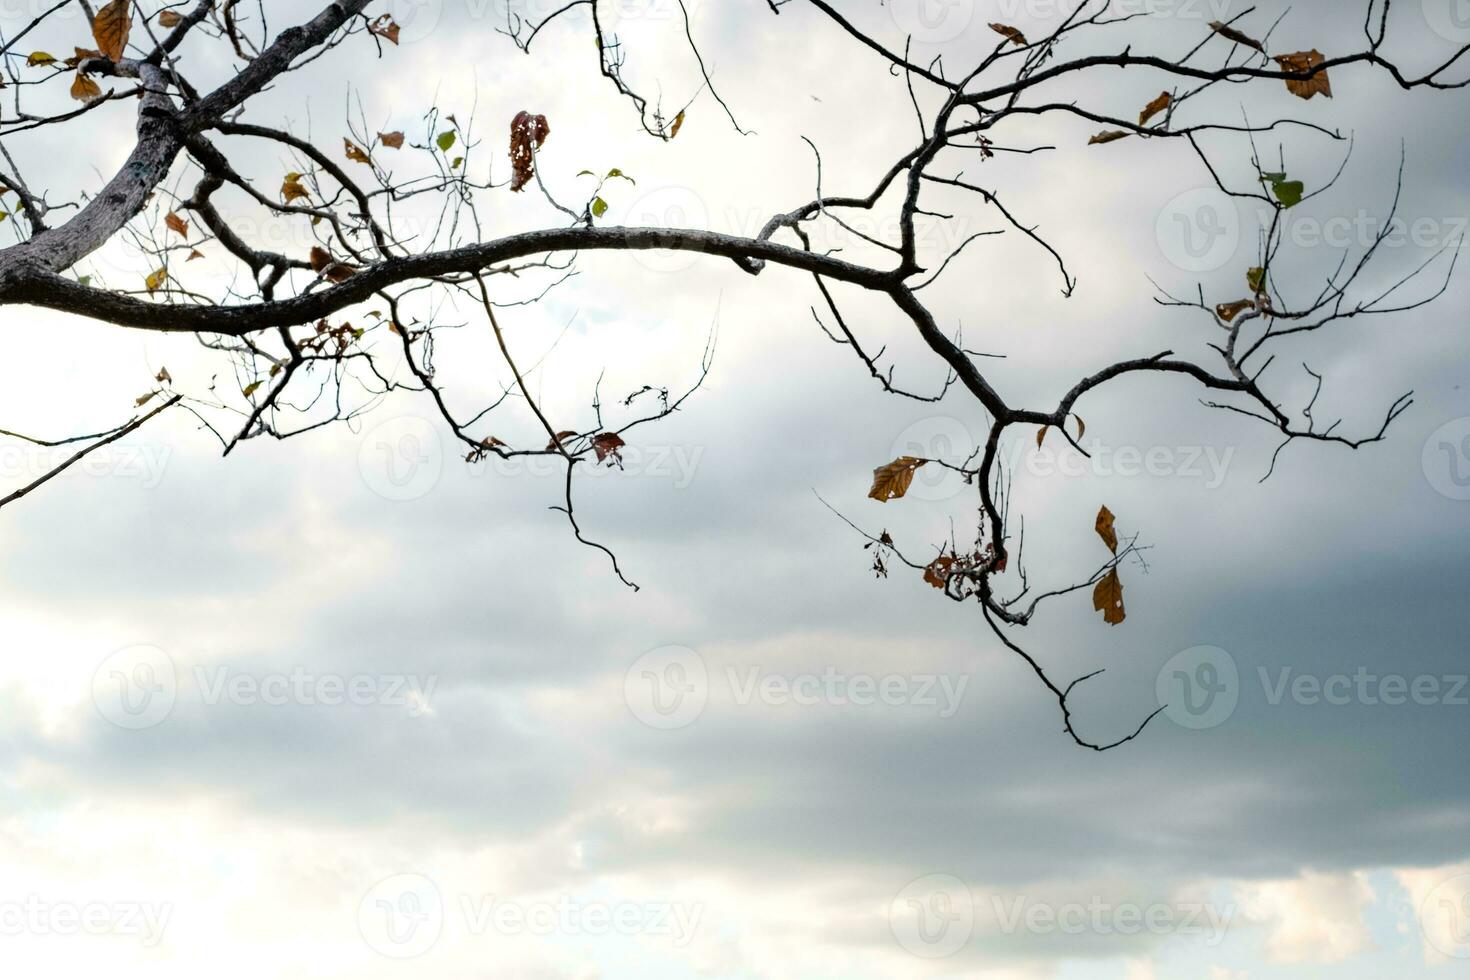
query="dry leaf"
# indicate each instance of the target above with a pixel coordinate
(1229, 311)
(393, 141)
(385, 27)
(252, 388)
(1105, 529)
(1013, 35)
(142, 400)
(936, 573)
(527, 134)
(1041, 435)
(1107, 598)
(1304, 61)
(322, 262)
(678, 124)
(1108, 136)
(155, 281)
(111, 27)
(195, 254)
(163, 376)
(84, 88)
(607, 444)
(292, 188)
(893, 480)
(176, 224)
(1232, 34)
(1081, 426)
(355, 153)
(1155, 107)
(556, 441)
(170, 18)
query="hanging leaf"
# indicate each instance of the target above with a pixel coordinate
(84, 88)
(527, 134)
(894, 479)
(155, 281)
(1107, 598)
(618, 172)
(599, 207)
(176, 224)
(1105, 529)
(393, 141)
(1041, 435)
(163, 376)
(1081, 426)
(252, 388)
(111, 28)
(607, 444)
(1108, 136)
(385, 27)
(678, 124)
(1256, 279)
(1229, 311)
(1230, 33)
(1305, 61)
(1010, 34)
(936, 573)
(446, 140)
(356, 153)
(292, 188)
(1155, 107)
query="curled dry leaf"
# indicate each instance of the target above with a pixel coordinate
(194, 254)
(1041, 435)
(170, 18)
(1108, 136)
(607, 444)
(893, 480)
(1010, 33)
(1154, 108)
(82, 54)
(385, 27)
(678, 124)
(527, 134)
(1105, 529)
(1229, 311)
(1081, 426)
(176, 224)
(1107, 598)
(356, 153)
(559, 438)
(1230, 33)
(111, 28)
(1305, 61)
(84, 88)
(323, 263)
(163, 377)
(936, 573)
(393, 141)
(292, 188)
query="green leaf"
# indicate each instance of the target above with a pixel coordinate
(599, 207)
(252, 388)
(447, 139)
(458, 162)
(1256, 279)
(1288, 192)
(618, 172)
(85, 280)
(585, 173)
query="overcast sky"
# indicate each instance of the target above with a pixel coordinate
(348, 706)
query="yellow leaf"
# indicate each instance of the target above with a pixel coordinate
(84, 88)
(292, 188)
(1304, 61)
(156, 280)
(355, 153)
(40, 58)
(1107, 598)
(111, 28)
(678, 125)
(1105, 529)
(893, 480)
(1154, 108)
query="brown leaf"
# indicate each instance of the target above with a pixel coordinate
(936, 573)
(82, 54)
(556, 442)
(893, 480)
(1230, 33)
(1229, 311)
(607, 444)
(1304, 61)
(1013, 35)
(678, 124)
(170, 18)
(1108, 136)
(527, 133)
(385, 27)
(292, 188)
(322, 262)
(1041, 435)
(111, 28)
(1107, 598)
(195, 254)
(84, 88)
(1081, 426)
(142, 400)
(163, 376)
(393, 141)
(1105, 529)
(355, 153)
(252, 388)
(177, 224)
(1155, 107)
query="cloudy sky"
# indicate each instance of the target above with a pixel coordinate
(348, 706)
